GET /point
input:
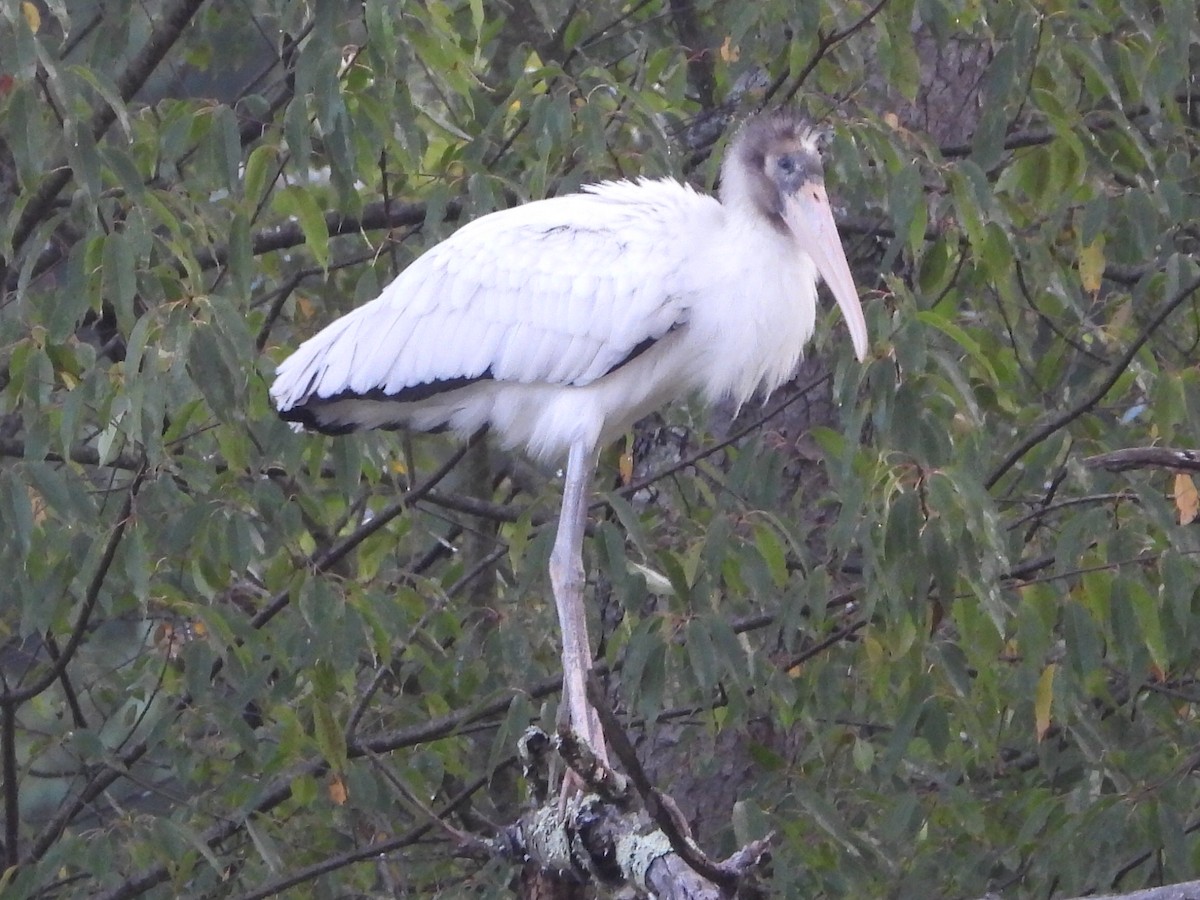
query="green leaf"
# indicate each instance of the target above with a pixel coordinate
(1043, 699)
(301, 204)
(766, 540)
(261, 162)
(100, 83)
(1146, 610)
(267, 849)
(961, 338)
(120, 279)
(701, 654)
(193, 839)
(645, 666)
(329, 735)
(18, 513)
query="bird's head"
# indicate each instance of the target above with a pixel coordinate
(773, 169)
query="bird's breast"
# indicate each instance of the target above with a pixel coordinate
(753, 312)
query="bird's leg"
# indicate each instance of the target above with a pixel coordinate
(567, 580)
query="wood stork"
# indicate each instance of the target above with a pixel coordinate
(560, 322)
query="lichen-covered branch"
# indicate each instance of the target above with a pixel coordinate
(605, 835)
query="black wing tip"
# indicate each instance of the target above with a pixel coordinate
(307, 417)
(308, 412)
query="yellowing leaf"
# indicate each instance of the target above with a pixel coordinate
(1043, 700)
(1187, 500)
(876, 652)
(338, 792)
(1113, 332)
(625, 464)
(32, 17)
(1091, 265)
(729, 53)
(38, 504)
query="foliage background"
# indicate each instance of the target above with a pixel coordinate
(905, 622)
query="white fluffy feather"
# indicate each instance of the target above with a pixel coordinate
(546, 303)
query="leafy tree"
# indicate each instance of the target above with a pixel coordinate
(933, 619)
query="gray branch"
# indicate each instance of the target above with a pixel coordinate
(1145, 458)
(606, 836)
(1187, 890)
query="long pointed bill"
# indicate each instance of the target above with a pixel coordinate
(810, 219)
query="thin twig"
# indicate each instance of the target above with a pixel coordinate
(91, 596)
(1089, 402)
(1145, 458)
(169, 26)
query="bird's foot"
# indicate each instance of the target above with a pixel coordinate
(587, 770)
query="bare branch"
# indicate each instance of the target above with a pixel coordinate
(1145, 458)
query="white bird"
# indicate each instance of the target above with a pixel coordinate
(560, 322)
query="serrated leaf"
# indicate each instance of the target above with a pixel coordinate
(299, 203)
(100, 83)
(263, 844)
(304, 790)
(331, 740)
(675, 573)
(194, 838)
(120, 282)
(830, 820)
(1091, 265)
(961, 338)
(702, 654)
(771, 549)
(1148, 613)
(644, 671)
(254, 177)
(656, 582)
(19, 518)
(1043, 700)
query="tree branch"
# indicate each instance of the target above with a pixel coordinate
(12, 783)
(824, 45)
(83, 454)
(356, 747)
(1089, 402)
(376, 215)
(1145, 458)
(168, 28)
(90, 598)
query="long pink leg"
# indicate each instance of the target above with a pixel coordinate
(567, 581)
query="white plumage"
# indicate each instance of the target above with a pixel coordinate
(559, 323)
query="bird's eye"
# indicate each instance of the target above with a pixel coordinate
(787, 164)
